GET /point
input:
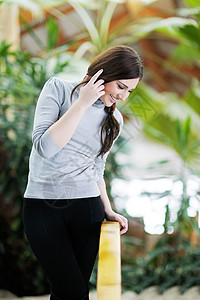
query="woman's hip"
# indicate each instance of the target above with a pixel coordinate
(79, 210)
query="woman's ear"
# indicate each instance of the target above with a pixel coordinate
(86, 76)
(85, 80)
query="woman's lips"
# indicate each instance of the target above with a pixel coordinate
(112, 99)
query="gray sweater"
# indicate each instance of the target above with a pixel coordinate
(73, 171)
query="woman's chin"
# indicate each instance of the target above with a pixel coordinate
(109, 105)
(107, 101)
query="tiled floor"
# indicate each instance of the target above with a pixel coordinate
(149, 294)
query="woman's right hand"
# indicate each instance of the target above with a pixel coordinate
(91, 91)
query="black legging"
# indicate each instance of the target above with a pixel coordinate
(64, 236)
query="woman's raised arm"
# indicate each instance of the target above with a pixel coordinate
(63, 129)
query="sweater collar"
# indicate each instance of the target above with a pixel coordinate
(99, 103)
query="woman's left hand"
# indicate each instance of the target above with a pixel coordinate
(113, 216)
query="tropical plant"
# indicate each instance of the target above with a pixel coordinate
(100, 33)
(172, 120)
(141, 273)
(167, 117)
(22, 78)
(17, 98)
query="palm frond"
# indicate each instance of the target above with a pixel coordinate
(186, 12)
(87, 21)
(169, 23)
(185, 54)
(29, 5)
(105, 22)
(84, 47)
(50, 3)
(191, 3)
(178, 109)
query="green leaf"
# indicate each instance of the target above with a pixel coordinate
(15, 224)
(186, 12)
(88, 22)
(187, 129)
(29, 5)
(192, 3)
(157, 134)
(32, 33)
(4, 47)
(195, 145)
(171, 23)
(52, 32)
(192, 33)
(186, 54)
(105, 22)
(84, 47)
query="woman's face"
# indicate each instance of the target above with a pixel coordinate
(118, 90)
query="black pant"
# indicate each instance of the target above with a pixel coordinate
(64, 236)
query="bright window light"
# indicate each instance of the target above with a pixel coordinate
(143, 198)
(147, 1)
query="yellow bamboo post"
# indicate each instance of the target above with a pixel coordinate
(109, 262)
(9, 25)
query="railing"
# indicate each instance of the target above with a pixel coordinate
(109, 262)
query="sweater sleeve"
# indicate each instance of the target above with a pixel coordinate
(100, 167)
(46, 113)
(100, 161)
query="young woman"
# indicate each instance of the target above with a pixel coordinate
(65, 201)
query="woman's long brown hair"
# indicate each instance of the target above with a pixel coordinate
(119, 62)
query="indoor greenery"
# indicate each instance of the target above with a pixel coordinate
(182, 271)
(22, 78)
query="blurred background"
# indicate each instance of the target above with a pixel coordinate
(153, 171)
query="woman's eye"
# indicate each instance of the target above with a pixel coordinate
(121, 87)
